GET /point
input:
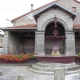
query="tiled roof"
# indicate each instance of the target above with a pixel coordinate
(29, 26)
(34, 26)
(76, 26)
(32, 11)
(39, 8)
(38, 12)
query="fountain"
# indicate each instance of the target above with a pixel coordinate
(56, 39)
(48, 63)
(55, 55)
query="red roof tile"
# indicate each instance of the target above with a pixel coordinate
(76, 26)
(38, 8)
(31, 26)
(34, 26)
(32, 11)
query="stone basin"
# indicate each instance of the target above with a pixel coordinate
(58, 59)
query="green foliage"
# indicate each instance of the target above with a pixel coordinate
(79, 54)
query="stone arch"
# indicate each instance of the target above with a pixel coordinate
(49, 43)
(51, 20)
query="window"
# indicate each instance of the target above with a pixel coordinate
(74, 9)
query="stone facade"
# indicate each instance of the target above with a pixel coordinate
(39, 43)
(64, 19)
(27, 19)
(48, 16)
(6, 42)
(14, 44)
(70, 43)
(69, 4)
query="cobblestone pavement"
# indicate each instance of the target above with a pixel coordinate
(11, 72)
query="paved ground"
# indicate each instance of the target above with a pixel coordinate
(11, 72)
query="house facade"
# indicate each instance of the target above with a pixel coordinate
(29, 31)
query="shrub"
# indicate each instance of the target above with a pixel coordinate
(16, 58)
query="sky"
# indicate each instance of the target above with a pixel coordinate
(10, 9)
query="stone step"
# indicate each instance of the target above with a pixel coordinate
(41, 68)
(51, 72)
(41, 72)
(49, 68)
(52, 67)
(55, 64)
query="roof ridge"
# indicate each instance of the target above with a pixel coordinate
(32, 10)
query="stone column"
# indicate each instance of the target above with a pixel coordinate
(70, 43)
(39, 43)
(6, 42)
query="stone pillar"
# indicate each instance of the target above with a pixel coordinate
(39, 43)
(59, 74)
(70, 43)
(6, 42)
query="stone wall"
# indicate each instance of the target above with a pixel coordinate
(39, 43)
(14, 44)
(69, 4)
(6, 42)
(65, 20)
(11, 42)
(27, 19)
(61, 15)
(70, 43)
(77, 19)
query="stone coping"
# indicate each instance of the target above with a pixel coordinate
(55, 56)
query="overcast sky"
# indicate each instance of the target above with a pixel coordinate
(10, 9)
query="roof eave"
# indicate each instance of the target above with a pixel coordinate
(18, 29)
(48, 6)
(77, 28)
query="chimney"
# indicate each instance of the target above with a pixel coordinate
(32, 7)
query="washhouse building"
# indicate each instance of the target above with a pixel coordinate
(29, 31)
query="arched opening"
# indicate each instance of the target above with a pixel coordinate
(49, 43)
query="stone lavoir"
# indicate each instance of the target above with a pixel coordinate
(48, 64)
(29, 31)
